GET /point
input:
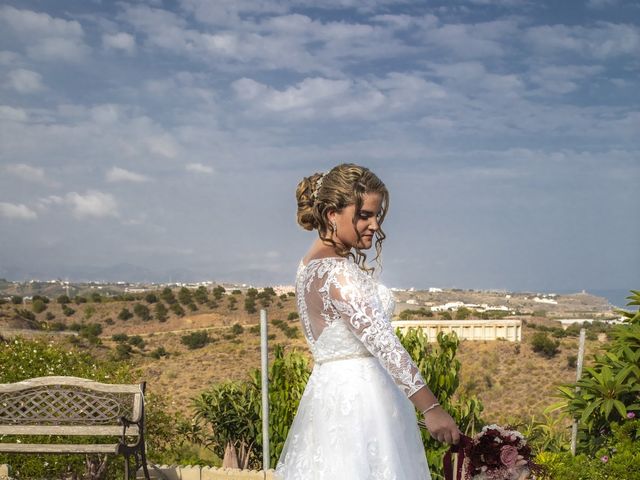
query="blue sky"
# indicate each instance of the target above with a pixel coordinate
(157, 140)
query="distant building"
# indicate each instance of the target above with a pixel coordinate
(510, 330)
(435, 290)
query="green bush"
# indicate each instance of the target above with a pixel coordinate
(79, 299)
(293, 316)
(195, 340)
(142, 311)
(167, 296)
(161, 312)
(237, 329)
(541, 343)
(159, 352)
(63, 299)
(125, 314)
(177, 309)
(151, 298)
(136, 341)
(16, 300)
(184, 296)
(67, 310)
(120, 337)
(200, 295)
(38, 306)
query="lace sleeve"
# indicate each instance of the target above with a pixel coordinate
(353, 298)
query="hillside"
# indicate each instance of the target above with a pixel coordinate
(512, 381)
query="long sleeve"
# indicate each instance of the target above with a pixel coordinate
(353, 296)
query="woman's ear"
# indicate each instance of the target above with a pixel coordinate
(331, 215)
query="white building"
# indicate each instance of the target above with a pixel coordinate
(510, 330)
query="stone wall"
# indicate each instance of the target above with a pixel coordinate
(174, 472)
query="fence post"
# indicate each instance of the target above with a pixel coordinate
(264, 365)
(574, 426)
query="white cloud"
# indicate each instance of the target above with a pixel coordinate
(19, 211)
(12, 114)
(92, 204)
(28, 173)
(46, 37)
(598, 4)
(54, 49)
(561, 79)
(119, 41)
(117, 174)
(28, 23)
(25, 81)
(199, 168)
(602, 41)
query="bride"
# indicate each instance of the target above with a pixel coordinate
(355, 420)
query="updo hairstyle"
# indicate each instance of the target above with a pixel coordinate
(342, 186)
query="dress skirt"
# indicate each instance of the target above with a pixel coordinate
(353, 423)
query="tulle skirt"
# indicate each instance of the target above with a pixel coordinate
(353, 423)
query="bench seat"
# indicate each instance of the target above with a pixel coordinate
(58, 448)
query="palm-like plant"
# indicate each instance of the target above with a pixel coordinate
(610, 389)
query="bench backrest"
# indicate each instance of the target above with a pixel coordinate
(68, 406)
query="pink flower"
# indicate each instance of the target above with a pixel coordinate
(604, 458)
(631, 415)
(509, 456)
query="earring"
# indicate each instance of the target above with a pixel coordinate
(335, 226)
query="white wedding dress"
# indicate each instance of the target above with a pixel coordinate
(354, 421)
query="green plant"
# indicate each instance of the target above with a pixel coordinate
(161, 312)
(195, 340)
(142, 311)
(293, 316)
(541, 343)
(125, 314)
(38, 306)
(440, 369)
(608, 390)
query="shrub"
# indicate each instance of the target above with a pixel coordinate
(109, 321)
(49, 316)
(96, 297)
(541, 343)
(67, 310)
(291, 294)
(293, 316)
(142, 311)
(200, 295)
(159, 352)
(136, 341)
(63, 299)
(89, 310)
(572, 361)
(237, 329)
(255, 329)
(218, 292)
(250, 305)
(125, 314)
(57, 326)
(177, 309)
(123, 351)
(16, 300)
(167, 296)
(184, 296)
(195, 340)
(120, 337)
(79, 299)
(151, 298)
(38, 306)
(236, 292)
(161, 312)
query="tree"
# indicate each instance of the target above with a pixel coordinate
(16, 300)
(142, 311)
(201, 296)
(195, 340)
(151, 298)
(38, 306)
(541, 343)
(184, 296)
(161, 312)
(63, 299)
(125, 314)
(167, 296)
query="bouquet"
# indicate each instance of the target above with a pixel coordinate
(495, 453)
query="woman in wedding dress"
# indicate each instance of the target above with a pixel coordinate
(356, 418)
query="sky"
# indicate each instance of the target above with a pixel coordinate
(158, 140)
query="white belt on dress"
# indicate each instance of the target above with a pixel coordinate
(344, 357)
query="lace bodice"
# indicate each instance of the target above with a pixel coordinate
(345, 313)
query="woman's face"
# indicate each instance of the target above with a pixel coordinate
(366, 222)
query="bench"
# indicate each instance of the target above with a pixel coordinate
(71, 406)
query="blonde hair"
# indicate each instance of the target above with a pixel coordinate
(343, 185)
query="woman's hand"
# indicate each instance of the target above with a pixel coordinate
(441, 426)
